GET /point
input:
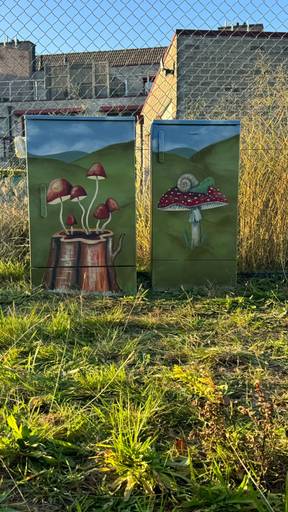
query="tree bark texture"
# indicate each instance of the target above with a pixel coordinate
(83, 262)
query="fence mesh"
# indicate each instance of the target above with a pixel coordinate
(164, 60)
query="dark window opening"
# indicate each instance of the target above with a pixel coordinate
(147, 83)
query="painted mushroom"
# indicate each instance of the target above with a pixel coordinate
(193, 198)
(96, 172)
(101, 213)
(112, 206)
(71, 221)
(59, 190)
(79, 193)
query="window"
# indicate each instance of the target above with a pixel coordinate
(80, 83)
(147, 83)
(57, 82)
(118, 87)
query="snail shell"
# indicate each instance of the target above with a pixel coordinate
(186, 182)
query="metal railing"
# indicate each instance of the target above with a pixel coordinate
(21, 90)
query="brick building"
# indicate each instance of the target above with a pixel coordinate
(203, 69)
(88, 83)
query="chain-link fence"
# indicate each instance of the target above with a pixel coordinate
(161, 60)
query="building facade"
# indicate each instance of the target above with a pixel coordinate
(88, 83)
(204, 72)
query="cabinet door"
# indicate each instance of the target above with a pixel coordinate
(81, 201)
(194, 196)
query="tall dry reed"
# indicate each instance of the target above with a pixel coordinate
(14, 244)
(263, 187)
(263, 183)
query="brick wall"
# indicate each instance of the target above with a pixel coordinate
(216, 70)
(16, 60)
(160, 104)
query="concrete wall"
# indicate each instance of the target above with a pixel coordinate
(215, 72)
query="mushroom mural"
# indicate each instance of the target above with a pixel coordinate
(59, 190)
(101, 213)
(71, 221)
(83, 259)
(112, 206)
(96, 172)
(78, 193)
(192, 196)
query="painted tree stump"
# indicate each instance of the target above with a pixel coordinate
(81, 261)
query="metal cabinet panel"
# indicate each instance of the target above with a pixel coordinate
(194, 200)
(81, 179)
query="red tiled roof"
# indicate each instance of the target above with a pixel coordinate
(60, 110)
(129, 57)
(120, 108)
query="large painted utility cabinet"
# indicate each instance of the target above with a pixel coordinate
(82, 203)
(194, 203)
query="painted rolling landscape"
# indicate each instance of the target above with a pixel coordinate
(82, 208)
(195, 187)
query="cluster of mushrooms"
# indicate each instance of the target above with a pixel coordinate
(61, 190)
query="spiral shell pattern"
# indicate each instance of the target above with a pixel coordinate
(186, 182)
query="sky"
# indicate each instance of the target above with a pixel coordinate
(195, 137)
(88, 25)
(56, 136)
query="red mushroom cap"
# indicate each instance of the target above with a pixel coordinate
(78, 193)
(174, 199)
(96, 171)
(58, 190)
(112, 205)
(71, 221)
(101, 212)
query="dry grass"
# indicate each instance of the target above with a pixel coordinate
(14, 218)
(143, 218)
(263, 205)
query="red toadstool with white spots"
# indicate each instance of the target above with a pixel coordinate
(190, 195)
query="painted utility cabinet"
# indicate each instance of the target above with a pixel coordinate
(194, 203)
(82, 203)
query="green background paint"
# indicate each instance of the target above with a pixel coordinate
(118, 161)
(171, 231)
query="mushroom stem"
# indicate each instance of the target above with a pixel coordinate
(97, 226)
(91, 204)
(61, 216)
(71, 232)
(82, 216)
(107, 222)
(195, 219)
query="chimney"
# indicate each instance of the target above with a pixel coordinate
(244, 27)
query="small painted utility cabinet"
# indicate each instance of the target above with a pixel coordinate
(82, 203)
(194, 203)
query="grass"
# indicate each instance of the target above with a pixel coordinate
(167, 402)
(157, 402)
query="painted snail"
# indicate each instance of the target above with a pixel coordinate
(186, 182)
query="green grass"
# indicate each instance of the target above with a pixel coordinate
(144, 404)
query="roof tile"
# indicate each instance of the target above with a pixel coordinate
(129, 57)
